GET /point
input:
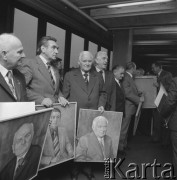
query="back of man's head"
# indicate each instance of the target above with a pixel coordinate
(6, 41)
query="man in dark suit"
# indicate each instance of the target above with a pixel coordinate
(132, 99)
(119, 97)
(24, 164)
(95, 146)
(100, 65)
(169, 111)
(160, 134)
(42, 79)
(12, 82)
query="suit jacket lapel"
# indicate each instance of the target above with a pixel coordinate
(92, 81)
(97, 145)
(44, 71)
(80, 80)
(5, 86)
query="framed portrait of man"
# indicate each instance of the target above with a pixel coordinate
(59, 142)
(97, 135)
(21, 141)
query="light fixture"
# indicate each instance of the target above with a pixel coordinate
(137, 3)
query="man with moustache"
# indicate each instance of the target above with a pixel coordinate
(42, 79)
(12, 82)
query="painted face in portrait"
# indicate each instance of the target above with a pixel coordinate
(85, 62)
(102, 61)
(14, 54)
(50, 51)
(55, 119)
(22, 140)
(100, 128)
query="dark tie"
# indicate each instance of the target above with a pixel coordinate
(49, 69)
(101, 72)
(56, 144)
(86, 78)
(19, 165)
(10, 83)
(102, 147)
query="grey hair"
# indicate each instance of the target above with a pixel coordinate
(96, 119)
(6, 39)
(85, 53)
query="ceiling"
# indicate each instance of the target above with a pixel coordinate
(154, 26)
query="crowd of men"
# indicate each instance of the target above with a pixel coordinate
(91, 85)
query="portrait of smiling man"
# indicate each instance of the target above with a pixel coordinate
(24, 163)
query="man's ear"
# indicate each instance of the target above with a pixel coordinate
(43, 48)
(4, 54)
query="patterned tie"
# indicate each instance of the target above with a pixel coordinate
(10, 83)
(49, 69)
(86, 78)
(19, 165)
(56, 144)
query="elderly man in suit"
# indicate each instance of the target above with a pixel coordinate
(160, 133)
(95, 146)
(57, 145)
(85, 86)
(100, 65)
(42, 79)
(12, 82)
(132, 99)
(24, 164)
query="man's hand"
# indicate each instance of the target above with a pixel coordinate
(47, 102)
(142, 99)
(101, 108)
(63, 101)
(156, 84)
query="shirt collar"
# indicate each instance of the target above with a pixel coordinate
(98, 70)
(129, 74)
(159, 72)
(43, 60)
(84, 72)
(4, 71)
(117, 81)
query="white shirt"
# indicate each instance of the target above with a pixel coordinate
(117, 81)
(51, 68)
(4, 72)
(103, 74)
(101, 140)
(88, 77)
(130, 74)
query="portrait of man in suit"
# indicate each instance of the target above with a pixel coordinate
(95, 146)
(12, 82)
(24, 164)
(42, 78)
(57, 146)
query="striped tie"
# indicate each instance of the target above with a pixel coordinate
(102, 146)
(56, 143)
(49, 69)
(10, 83)
(86, 78)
